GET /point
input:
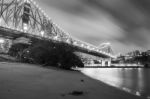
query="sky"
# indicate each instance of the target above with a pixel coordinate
(123, 23)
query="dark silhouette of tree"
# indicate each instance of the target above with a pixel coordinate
(47, 53)
(52, 54)
(143, 59)
(17, 49)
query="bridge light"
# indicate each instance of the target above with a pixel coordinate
(107, 43)
(34, 3)
(104, 52)
(10, 27)
(42, 33)
(17, 29)
(44, 14)
(25, 27)
(100, 51)
(82, 45)
(2, 40)
(56, 38)
(42, 11)
(47, 16)
(0, 21)
(75, 43)
(68, 41)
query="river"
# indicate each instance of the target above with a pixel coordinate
(133, 80)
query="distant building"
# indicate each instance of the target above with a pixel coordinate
(148, 52)
(134, 53)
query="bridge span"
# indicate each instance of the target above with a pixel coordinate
(24, 18)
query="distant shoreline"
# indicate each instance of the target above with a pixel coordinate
(114, 67)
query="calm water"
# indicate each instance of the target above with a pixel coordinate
(136, 81)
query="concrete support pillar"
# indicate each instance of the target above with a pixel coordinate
(109, 63)
(100, 61)
(106, 62)
(103, 62)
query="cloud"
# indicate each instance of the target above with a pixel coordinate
(123, 22)
(129, 16)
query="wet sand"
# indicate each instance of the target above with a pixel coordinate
(24, 81)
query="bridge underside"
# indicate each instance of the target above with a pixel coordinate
(14, 34)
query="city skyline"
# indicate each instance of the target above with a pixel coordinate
(124, 23)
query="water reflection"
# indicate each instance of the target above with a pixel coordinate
(134, 80)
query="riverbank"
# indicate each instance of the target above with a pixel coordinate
(114, 67)
(7, 58)
(24, 81)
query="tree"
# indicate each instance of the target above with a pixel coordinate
(17, 49)
(54, 54)
(47, 53)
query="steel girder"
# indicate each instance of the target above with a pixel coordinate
(26, 16)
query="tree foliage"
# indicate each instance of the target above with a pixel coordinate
(48, 54)
(17, 49)
(144, 59)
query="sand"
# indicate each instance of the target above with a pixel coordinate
(24, 81)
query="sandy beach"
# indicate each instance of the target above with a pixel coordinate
(24, 81)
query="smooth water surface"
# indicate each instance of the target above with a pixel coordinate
(133, 80)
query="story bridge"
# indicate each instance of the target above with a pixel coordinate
(24, 18)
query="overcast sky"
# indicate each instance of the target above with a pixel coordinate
(124, 23)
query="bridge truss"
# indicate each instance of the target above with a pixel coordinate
(26, 16)
(106, 47)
